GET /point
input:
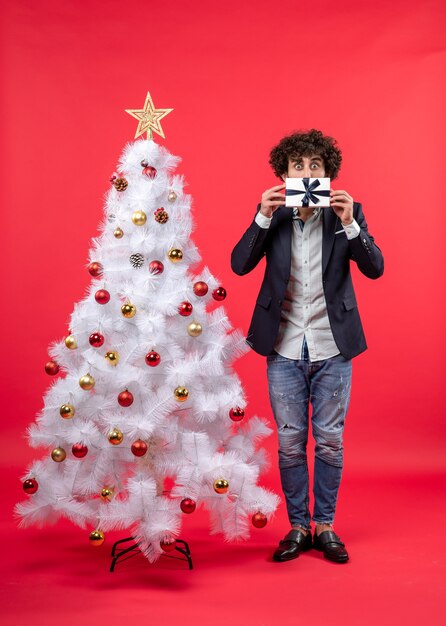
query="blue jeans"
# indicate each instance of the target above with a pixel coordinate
(293, 384)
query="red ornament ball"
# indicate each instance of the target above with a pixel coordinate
(156, 267)
(149, 171)
(139, 447)
(200, 288)
(219, 294)
(96, 340)
(125, 398)
(95, 268)
(236, 414)
(153, 358)
(259, 520)
(102, 296)
(185, 308)
(79, 450)
(168, 544)
(51, 368)
(30, 485)
(188, 505)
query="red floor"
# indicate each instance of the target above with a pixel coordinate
(392, 526)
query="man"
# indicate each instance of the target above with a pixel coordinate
(307, 324)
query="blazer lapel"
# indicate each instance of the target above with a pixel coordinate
(285, 232)
(329, 224)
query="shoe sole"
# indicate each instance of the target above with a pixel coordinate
(329, 558)
(292, 557)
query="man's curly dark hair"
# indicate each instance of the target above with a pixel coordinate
(306, 143)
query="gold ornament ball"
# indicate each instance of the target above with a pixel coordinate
(87, 382)
(112, 358)
(58, 455)
(115, 436)
(221, 485)
(70, 342)
(194, 329)
(181, 394)
(175, 255)
(67, 411)
(118, 233)
(128, 310)
(107, 494)
(172, 196)
(97, 538)
(139, 218)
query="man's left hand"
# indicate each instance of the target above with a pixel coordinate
(342, 204)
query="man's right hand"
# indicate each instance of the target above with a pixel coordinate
(271, 200)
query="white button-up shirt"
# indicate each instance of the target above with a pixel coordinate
(304, 310)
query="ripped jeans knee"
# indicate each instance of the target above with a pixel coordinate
(292, 446)
(329, 447)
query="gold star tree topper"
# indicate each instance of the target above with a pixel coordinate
(149, 118)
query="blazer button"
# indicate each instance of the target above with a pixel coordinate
(279, 302)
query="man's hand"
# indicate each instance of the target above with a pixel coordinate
(342, 204)
(271, 200)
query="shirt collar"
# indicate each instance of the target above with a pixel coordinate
(316, 212)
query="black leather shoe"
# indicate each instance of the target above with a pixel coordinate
(292, 545)
(329, 543)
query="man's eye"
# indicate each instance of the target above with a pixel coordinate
(315, 166)
(298, 166)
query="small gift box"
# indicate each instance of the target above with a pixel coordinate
(306, 192)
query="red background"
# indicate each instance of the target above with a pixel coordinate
(239, 76)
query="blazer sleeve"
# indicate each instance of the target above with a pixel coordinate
(250, 249)
(364, 250)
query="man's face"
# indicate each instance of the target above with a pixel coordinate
(305, 167)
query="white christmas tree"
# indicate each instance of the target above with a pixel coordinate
(146, 390)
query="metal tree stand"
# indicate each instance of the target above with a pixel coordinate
(120, 554)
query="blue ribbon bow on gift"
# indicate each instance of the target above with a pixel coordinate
(310, 192)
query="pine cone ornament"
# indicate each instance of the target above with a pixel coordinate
(137, 260)
(161, 216)
(120, 184)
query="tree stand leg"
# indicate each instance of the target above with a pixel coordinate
(120, 554)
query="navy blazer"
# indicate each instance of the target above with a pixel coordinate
(337, 251)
